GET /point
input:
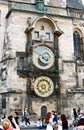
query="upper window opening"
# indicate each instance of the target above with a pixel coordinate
(36, 34)
(47, 36)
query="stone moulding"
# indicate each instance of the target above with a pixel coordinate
(9, 90)
(75, 90)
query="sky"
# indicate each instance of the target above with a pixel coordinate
(83, 2)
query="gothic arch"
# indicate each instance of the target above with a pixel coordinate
(79, 31)
(46, 19)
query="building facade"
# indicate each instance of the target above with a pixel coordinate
(41, 56)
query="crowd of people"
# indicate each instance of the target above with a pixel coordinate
(78, 121)
(11, 122)
(53, 121)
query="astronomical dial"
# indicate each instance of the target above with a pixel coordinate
(43, 57)
(43, 86)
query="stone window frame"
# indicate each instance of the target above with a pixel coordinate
(78, 44)
(36, 34)
(47, 36)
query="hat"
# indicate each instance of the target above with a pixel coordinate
(82, 112)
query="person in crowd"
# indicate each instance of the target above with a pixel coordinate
(49, 121)
(64, 122)
(80, 125)
(44, 123)
(6, 124)
(59, 123)
(15, 115)
(74, 113)
(54, 116)
(10, 118)
(39, 124)
(26, 116)
(55, 119)
(3, 117)
(81, 114)
(78, 113)
(1, 128)
(75, 122)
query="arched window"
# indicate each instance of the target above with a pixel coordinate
(78, 45)
(76, 37)
(43, 112)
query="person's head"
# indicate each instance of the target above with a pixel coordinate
(48, 117)
(80, 122)
(82, 112)
(49, 114)
(3, 114)
(16, 112)
(53, 112)
(6, 124)
(26, 109)
(74, 109)
(63, 118)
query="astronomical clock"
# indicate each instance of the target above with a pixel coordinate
(42, 60)
(43, 57)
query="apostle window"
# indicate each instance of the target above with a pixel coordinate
(36, 34)
(47, 36)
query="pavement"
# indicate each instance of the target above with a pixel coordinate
(70, 128)
(33, 126)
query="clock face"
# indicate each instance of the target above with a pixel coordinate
(43, 57)
(43, 86)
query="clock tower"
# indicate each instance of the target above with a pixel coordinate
(42, 63)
